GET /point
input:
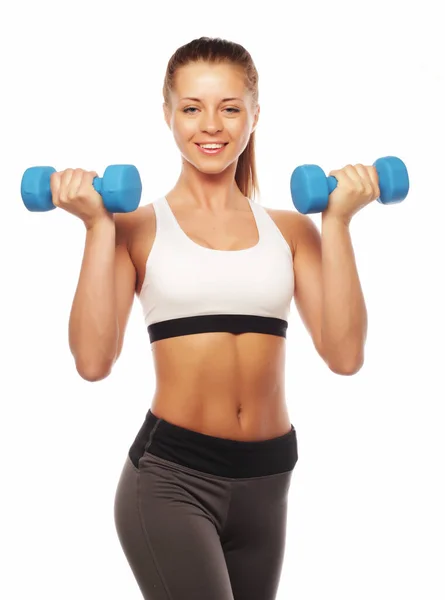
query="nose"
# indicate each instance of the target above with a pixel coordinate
(211, 123)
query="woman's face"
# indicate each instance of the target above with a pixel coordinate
(210, 116)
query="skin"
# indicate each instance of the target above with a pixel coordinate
(218, 383)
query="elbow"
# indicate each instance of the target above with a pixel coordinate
(346, 368)
(92, 373)
(345, 364)
(343, 355)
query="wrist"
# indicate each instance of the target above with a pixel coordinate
(99, 222)
(329, 219)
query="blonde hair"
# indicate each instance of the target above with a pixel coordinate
(216, 51)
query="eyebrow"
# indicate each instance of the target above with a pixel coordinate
(223, 100)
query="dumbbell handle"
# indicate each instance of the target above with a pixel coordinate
(97, 184)
(332, 184)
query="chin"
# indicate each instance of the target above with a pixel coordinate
(214, 169)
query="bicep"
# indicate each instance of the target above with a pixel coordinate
(308, 277)
(125, 283)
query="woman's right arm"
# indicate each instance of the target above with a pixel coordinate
(103, 299)
(106, 286)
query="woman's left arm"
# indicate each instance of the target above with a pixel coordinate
(328, 294)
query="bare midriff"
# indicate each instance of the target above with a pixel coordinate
(221, 384)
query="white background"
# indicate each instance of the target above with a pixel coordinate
(340, 82)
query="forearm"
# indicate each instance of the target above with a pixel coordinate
(344, 316)
(93, 325)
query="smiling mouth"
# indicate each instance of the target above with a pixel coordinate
(210, 151)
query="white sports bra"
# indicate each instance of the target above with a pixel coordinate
(191, 289)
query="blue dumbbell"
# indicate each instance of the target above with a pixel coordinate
(120, 188)
(310, 188)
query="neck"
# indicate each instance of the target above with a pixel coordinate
(210, 192)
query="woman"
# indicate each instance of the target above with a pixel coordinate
(200, 507)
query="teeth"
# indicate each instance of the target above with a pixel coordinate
(211, 146)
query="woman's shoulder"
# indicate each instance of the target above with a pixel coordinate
(130, 225)
(290, 222)
(287, 216)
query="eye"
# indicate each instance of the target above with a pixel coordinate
(186, 110)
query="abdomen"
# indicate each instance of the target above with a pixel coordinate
(224, 385)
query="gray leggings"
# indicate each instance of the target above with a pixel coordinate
(204, 518)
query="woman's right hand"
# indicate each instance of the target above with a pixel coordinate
(72, 190)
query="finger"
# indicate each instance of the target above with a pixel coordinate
(347, 178)
(74, 184)
(355, 173)
(362, 172)
(54, 184)
(363, 179)
(374, 177)
(65, 178)
(342, 177)
(87, 182)
(358, 183)
(369, 188)
(368, 184)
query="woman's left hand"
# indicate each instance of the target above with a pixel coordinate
(357, 186)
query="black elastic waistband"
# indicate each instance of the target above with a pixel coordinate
(208, 323)
(218, 456)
